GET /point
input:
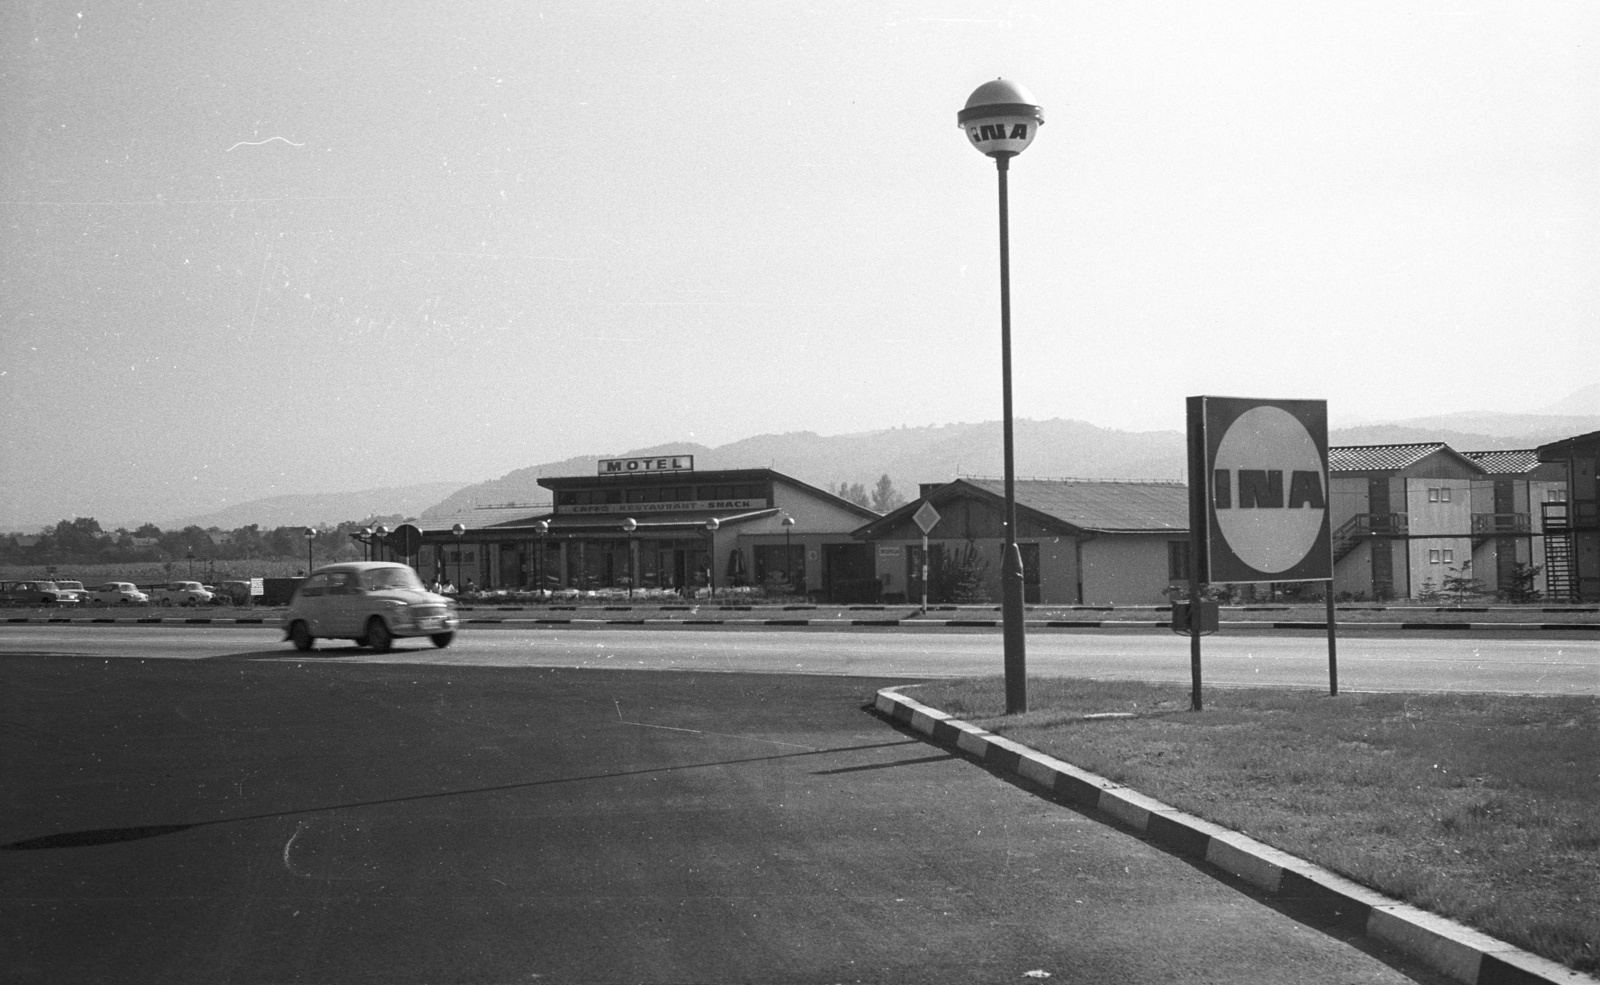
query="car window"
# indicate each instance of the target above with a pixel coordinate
(315, 585)
(391, 578)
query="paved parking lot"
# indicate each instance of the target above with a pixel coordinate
(293, 819)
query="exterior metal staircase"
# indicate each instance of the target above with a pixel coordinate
(1366, 525)
(1558, 579)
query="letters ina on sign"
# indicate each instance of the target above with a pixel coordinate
(1261, 499)
(634, 466)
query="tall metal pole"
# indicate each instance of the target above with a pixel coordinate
(1015, 641)
(1000, 120)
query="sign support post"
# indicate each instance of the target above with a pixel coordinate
(1198, 534)
(926, 516)
(1333, 647)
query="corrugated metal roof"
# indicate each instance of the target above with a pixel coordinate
(1506, 462)
(1107, 507)
(1372, 458)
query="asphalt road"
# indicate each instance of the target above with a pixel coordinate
(1550, 663)
(266, 816)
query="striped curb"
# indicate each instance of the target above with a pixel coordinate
(1458, 951)
(887, 623)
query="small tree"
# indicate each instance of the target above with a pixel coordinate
(960, 577)
(1521, 589)
(1460, 583)
(855, 492)
(884, 497)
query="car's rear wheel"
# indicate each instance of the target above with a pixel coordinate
(300, 635)
(378, 636)
(166, 601)
(442, 640)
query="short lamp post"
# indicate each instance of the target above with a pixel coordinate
(629, 526)
(365, 536)
(1001, 119)
(459, 531)
(379, 534)
(542, 528)
(310, 535)
(711, 569)
(788, 551)
(191, 563)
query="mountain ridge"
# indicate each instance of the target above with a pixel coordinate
(1054, 448)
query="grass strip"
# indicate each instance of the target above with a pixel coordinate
(1482, 808)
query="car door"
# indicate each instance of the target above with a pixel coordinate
(343, 605)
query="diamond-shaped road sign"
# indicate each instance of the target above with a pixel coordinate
(926, 516)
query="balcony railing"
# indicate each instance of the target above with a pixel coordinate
(1495, 524)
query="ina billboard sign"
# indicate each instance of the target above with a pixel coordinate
(1258, 489)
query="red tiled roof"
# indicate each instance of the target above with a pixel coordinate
(1370, 458)
(1506, 462)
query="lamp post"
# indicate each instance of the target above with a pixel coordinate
(788, 551)
(711, 569)
(191, 563)
(379, 532)
(366, 542)
(1001, 119)
(542, 528)
(310, 536)
(630, 525)
(459, 531)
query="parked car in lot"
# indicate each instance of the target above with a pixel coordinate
(35, 593)
(180, 593)
(118, 593)
(75, 587)
(371, 602)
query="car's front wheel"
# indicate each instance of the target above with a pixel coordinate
(378, 636)
(442, 640)
(300, 636)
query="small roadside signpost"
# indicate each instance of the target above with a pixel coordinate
(926, 516)
(1258, 503)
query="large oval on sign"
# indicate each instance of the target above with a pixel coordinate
(1268, 489)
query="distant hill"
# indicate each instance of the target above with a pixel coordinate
(1471, 431)
(909, 456)
(1583, 403)
(311, 509)
(1044, 449)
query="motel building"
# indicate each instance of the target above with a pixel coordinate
(658, 524)
(1407, 516)
(1083, 542)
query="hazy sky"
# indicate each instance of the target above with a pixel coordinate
(313, 246)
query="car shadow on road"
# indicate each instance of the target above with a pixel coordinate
(320, 653)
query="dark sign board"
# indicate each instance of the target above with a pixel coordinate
(1258, 489)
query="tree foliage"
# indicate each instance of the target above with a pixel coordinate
(884, 496)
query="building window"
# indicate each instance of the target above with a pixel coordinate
(1449, 557)
(1177, 560)
(1444, 494)
(1433, 495)
(1433, 557)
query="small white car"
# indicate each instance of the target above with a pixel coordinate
(371, 602)
(181, 593)
(118, 593)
